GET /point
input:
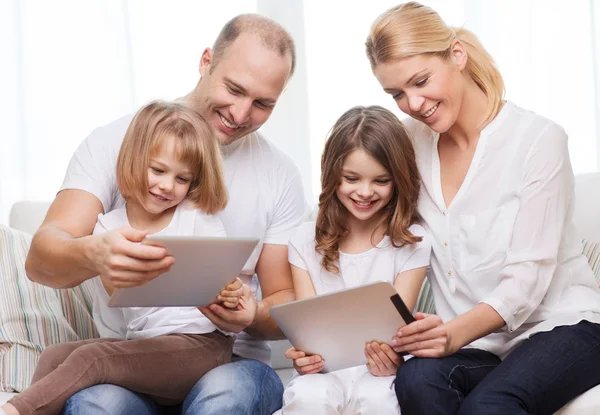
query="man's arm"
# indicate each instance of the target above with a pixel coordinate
(59, 256)
(275, 277)
(64, 253)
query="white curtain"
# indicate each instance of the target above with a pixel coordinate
(69, 66)
(544, 49)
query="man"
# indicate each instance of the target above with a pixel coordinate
(241, 79)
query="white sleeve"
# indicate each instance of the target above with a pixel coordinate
(547, 188)
(297, 247)
(415, 255)
(290, 207)
(93, 166)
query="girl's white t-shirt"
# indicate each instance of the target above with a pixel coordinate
(145, 322)
(381, 263)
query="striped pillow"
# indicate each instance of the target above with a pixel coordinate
(592, 251)
(33, 316)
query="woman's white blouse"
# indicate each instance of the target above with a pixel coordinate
(507, 239)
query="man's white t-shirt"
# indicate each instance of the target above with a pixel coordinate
(381, 263)
(145, 322)
(266, 199)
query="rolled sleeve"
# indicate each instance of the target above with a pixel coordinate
(544, 200)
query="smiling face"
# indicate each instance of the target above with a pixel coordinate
(168, 179)
(238, 95)
(366, 186)
(426, 87)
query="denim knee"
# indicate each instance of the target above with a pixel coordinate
(244, 386)
(415, 378)
(109, 400)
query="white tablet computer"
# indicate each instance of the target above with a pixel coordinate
(337, 325)
(203, 267)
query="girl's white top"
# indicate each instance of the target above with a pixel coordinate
(144, 322)
(381, 263)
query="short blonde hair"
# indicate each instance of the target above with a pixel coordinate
(195, 146)
(413, 29)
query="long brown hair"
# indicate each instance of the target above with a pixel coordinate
(382, 136)
(195, 146)
(411, 29)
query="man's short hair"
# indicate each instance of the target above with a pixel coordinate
(271, 34)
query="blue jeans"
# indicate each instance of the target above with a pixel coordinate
(244, 386)
(539, 377)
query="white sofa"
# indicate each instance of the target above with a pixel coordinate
(27, 216)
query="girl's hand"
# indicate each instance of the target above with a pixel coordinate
(303, 363)
(230, 295)
(233, 320)
(426, 337)
(382, 360)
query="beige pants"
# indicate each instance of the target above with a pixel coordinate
(164, 367)
(343, 392)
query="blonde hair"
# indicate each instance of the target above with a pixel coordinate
(413, 29)
(195, 146)
(383, 137)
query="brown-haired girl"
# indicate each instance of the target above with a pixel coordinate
(517, 330)
(365, 231)
(169, 172)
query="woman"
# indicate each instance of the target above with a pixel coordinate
(518, 328)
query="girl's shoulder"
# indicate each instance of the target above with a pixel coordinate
(424, 244)
(114, 219)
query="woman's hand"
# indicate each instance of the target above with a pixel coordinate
(303, 363)
(382, 360)
(426, 337)
(231, 294)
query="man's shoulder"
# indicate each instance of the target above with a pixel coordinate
(111, 133)
(269, 151)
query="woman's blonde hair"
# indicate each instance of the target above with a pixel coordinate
(195, 146)
(413, 29)
(383, 137)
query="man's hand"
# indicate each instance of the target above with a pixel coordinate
(233, 320)
(381, 359)
(303, 363)
(230, 296)
(122, 261)
(426, 337)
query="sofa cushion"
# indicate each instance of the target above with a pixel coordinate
(33, 316)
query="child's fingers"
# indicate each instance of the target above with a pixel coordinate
(376, 359)
(294, 354)
(391, 354)
(387, 363)
(234, 285)
(232, 293)
(230, 303)
(308, 360)
(310, 369)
